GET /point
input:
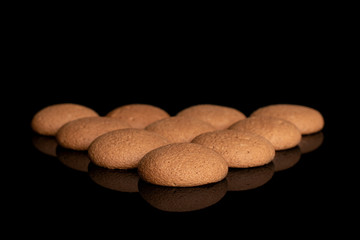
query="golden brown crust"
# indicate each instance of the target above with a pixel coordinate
(180, 129)
(123, 149)
(240, 149)
(138, 115)
(221, 117)
(306, 119)
(79, 134)
(281, 133)
(48, 120)
(182, 165)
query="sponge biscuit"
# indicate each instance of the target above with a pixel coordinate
(240, 149)
(79, 134)
(138, 115)
(180, 129)
(123, 149)
(220, 117)
(281, 133)
(182, 165)
(48, 120)
(306, 119)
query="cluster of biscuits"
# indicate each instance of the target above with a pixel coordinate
(195, 147)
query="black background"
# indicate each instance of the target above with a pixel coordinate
(103, 70)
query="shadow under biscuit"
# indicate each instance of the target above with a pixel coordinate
(114, 179)
(311, 142)
(286, 159)
(45, 144)
(182, 199)
(77, 160)
(241, 179)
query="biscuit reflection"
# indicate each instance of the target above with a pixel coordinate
(311, 142)
(77, 160)
(286, 159)
(45, 144)
(174, 199)
(114, 179)
(241, 179)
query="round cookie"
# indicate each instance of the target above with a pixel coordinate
(138, 115)
(123, 149)
(240, 149)
(79, 134)
(180, 129)
(306, 119)
(48, 120)
(220, 117)
(281, 133)
(182, 165)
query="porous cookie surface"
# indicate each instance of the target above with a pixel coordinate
(139, 115)
(48, 120)
(123, 149)
(79, 134)
(180, 129)
(182, 165)
(220, 117)
(306, 119)
(281, 133)
(240, 149)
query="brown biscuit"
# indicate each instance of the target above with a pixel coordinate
(306, 119)
(281, 133)
(173, 199)
(139, 115)
(79, 134)
(123, 149)
(182, 165)
(240, 149)
(48, 120)
(180, 129)
(220, 117)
